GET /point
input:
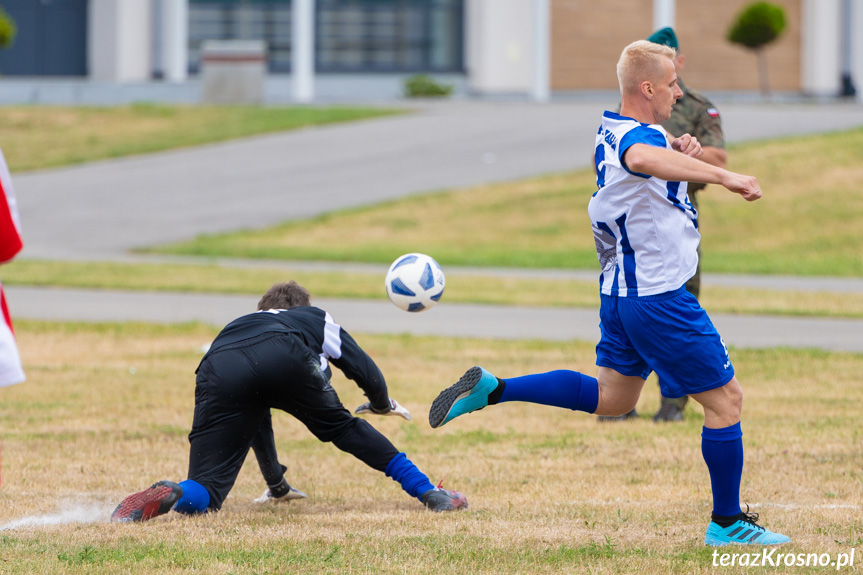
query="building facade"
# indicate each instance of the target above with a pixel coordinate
(499, 46)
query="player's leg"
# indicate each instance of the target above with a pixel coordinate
(330, 422)
(614, 391)
(304, 391)
(609, 393)
(722, 449)
(225, 421)
(230, 408)
(478, 388)
(678, 339)
(264, 446)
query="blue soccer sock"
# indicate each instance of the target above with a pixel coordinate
(723, 452)
(412, 480)
(195, 499)
(560, 388)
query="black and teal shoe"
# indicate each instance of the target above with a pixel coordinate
(744, 531)
(469, 393)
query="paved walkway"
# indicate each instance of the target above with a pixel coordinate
(106, 208)
(100, 211)
(446, 319)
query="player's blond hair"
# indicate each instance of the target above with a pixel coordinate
(640, 61)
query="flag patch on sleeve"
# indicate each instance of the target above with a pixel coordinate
(713, 112)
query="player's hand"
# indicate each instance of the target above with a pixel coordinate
(395, 409)
(689, 145)
(746, 186)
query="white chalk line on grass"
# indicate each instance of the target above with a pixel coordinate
(74, 514)
(804, 506)
(663, 503)
(95, 514)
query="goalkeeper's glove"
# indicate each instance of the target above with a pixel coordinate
(394, 409)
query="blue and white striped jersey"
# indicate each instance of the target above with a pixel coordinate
(645, 229)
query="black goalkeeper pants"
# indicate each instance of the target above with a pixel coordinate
(235, 390)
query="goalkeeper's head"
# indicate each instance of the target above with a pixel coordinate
(285, 296)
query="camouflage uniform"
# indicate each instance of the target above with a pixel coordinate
(694, 114)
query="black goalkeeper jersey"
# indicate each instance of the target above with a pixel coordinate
(327, 339)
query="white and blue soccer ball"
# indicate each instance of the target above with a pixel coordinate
(415, 282)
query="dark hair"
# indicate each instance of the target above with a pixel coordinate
(285, 296)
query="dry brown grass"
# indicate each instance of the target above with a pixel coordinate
(106, 410)
(38, 137)
(807, 223)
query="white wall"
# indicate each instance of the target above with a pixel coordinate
(664, 14)
(119, 40)
(499, 51)
(857, 47)
(175, 39)
(821, 44)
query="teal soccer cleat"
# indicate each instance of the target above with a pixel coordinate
(744, 531)
(469, 393)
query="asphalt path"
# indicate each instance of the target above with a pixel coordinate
(102, 210)
(381, 317)
(106, 208)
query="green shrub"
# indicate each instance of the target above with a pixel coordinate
(758, 24)
(7, 29)
(423, 86)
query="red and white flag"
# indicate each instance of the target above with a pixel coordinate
(11, 371)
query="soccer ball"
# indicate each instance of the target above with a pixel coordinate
(415, 282)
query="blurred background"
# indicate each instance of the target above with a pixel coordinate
(314, 50)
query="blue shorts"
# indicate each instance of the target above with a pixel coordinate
(668, 333)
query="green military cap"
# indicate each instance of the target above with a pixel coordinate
(665, 36)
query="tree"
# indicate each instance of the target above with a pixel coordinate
(7, 29)
(759, 24)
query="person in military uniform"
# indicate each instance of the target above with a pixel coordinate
(692, 114)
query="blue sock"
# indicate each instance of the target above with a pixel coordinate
(561, 388)
(723, 452)
(412, 480)
(195, 499)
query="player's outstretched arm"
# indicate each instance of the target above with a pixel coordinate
(679, 167)
(688, 145)
(746, 186)
(710, 154)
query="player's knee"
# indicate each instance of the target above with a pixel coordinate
(735, 395)
(615, 406)
(625, 405)
(730, 406)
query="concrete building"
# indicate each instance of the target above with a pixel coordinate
(496, 47)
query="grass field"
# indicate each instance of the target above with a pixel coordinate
(31, 141)
(107, 408)
(807, 223)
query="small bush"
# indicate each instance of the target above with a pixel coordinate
(757, 25)
(7, 29)
(423, 86)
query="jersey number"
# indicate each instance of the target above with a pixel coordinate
(599, 159)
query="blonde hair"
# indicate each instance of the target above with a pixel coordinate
(641, 61)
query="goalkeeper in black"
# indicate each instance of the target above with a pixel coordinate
(279, 358)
